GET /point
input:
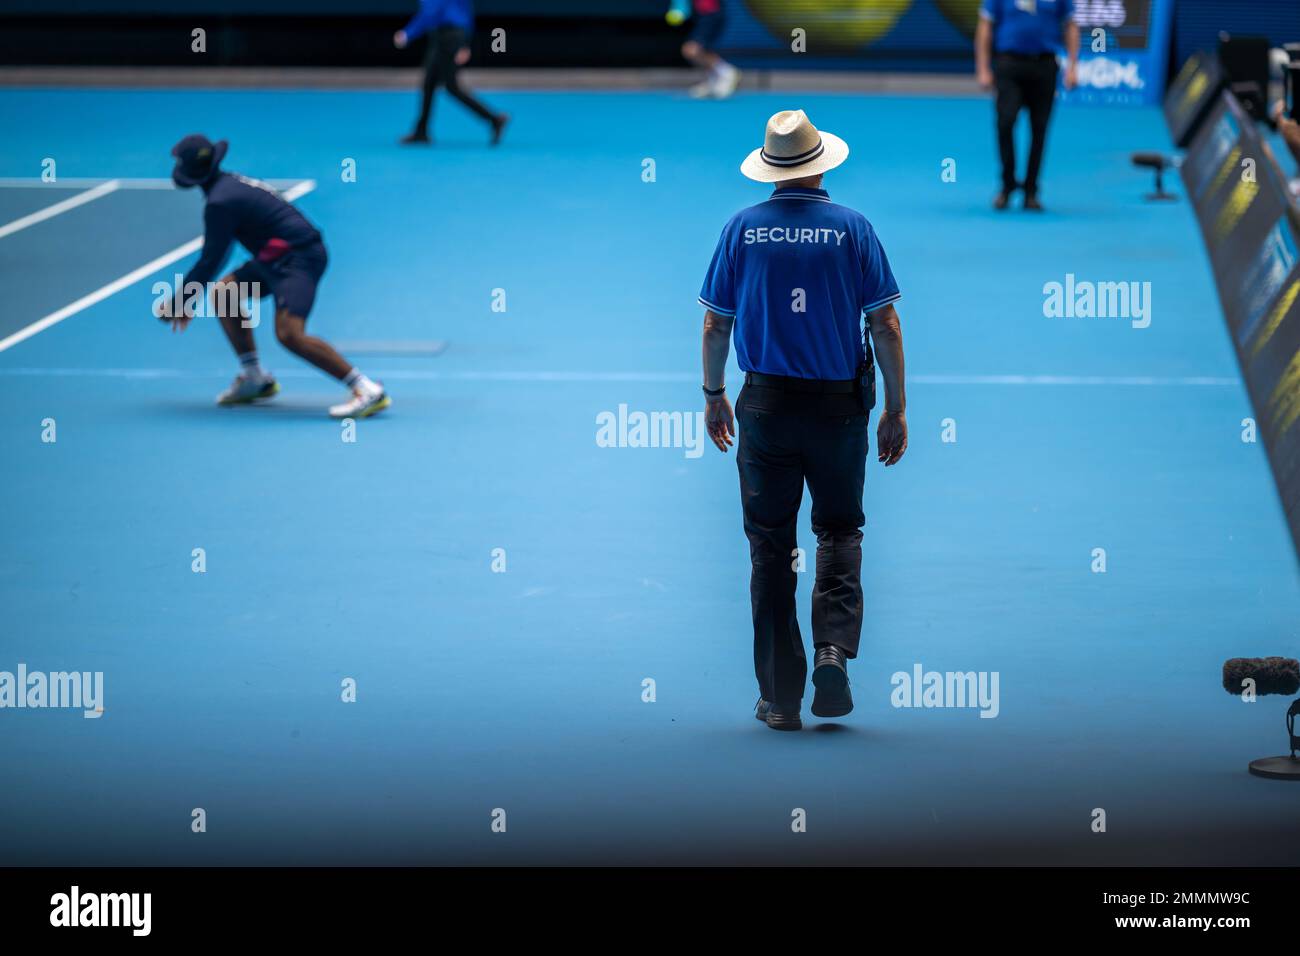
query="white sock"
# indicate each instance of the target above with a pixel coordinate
(359, 383)
(250, 366)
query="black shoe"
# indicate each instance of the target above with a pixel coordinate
(1000, 201)
(831, 678)
(1032, 204)
(498, 127)
(778, 717)
(415, 139)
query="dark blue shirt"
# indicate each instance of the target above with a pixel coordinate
(798, 272)
(1030, 27)
(440, 13)
(250, 212)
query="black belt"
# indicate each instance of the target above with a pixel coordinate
(787, 383)
(1026, 57)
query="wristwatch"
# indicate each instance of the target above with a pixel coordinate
(714, 393)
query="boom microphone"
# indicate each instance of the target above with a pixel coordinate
(1272, 675)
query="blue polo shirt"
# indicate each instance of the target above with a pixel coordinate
(440, 13)
(1030, 27)
(799, 249)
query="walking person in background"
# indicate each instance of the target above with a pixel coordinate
(1020, 39)
(700, 49)
(448, 23)
(795, 276)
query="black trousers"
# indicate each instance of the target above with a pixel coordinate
(786, 439)
(440, 69)
(1028, 82)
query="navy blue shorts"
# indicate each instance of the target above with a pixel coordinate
(707, 29)
(292, 278)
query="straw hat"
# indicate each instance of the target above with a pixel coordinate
(793, 148)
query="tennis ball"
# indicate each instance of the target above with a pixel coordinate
(675, 17)
(831, 25)
(963, 14)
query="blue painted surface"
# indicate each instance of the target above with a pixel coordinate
(522, 690)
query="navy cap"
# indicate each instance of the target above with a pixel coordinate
(197, 158)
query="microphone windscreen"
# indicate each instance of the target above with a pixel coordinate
(1272, 675)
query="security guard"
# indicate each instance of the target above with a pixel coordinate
(794, 276)
(1024, 35)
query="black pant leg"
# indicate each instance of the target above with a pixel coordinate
(432, 77)
(453, 41)
(1040, 95)
(1009, 100)
(835, 462)
(771, 488)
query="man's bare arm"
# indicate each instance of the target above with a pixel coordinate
(717, 346)
(887, 339)
(1290, 131)
(983, 52)
(887, 343)
(1071, 54)
(718, 416)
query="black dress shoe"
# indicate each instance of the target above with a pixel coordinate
(1032, 203)
(415, 139)
(831, 678)
(1000, 201)
(498, 127)
(778, 717)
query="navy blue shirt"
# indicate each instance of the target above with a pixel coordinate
(251, 212)
(1030, 27)
(798, 250)
(440, 13)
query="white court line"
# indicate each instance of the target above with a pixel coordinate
(1194, 381)
(1106, 380)
(124, 182)
(132, 277)
(49, 212)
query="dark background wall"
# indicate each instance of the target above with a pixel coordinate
(1197, 22)
(926, 35)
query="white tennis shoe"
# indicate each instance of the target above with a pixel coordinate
(726, 82)
(363, 404)
(246, 389)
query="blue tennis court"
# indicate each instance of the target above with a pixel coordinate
(500, 586)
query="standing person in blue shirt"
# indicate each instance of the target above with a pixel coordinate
(288, 261)
(1021, 38)
(794, 277)
(450, 22)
